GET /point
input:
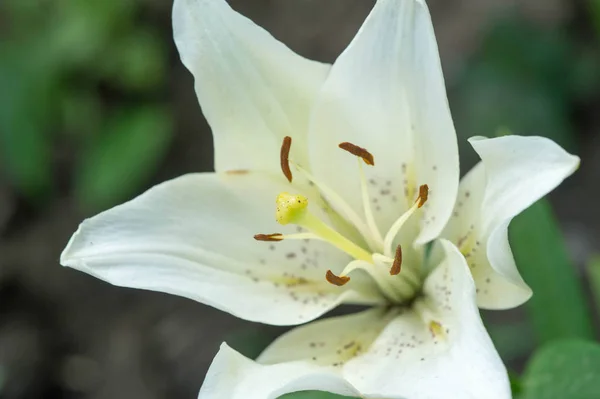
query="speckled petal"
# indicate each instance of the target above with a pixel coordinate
(386, 93)
(465, 229)
(515, 172)
(193, 237)
(399, 353)
(451, 358)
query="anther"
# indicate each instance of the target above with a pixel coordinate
(423, 195)
(336, 280)
(269, 237)
(397, 265)
(359, 152)
(285, 157)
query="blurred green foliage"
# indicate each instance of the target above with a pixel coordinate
(65, 68)
(593, 271)
(526, 78)
(563, 369)
(558, 307)
(594, 8)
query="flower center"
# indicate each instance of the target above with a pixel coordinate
(379, 258)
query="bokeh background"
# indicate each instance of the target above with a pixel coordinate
(95, 107)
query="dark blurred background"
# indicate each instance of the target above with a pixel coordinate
(95, 107)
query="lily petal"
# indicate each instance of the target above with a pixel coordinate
(306, 358)
(455, 357)
(386, 93)
(500, 285)
(193, 237)
(233, 376)
(331, 342)
(515, 172)
(396, 353)
(253, 89)
(519, 170)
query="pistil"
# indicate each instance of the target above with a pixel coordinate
(294, 209)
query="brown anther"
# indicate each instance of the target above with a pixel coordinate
(285, 157)
(269, 237)
(423, 195)
(397, 265)
(359, 152)
(336, 280)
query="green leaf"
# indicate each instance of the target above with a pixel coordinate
(122, 160)
(564, 369)
(593, 270)
(516, 384)
(558, 308)
(312, 395)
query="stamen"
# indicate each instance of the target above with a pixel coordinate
(368, 211)
(281, 237)
(397, 265)
(336, 280)
(285, 157)
(395, 229)
(423, 195)
(395, 291)
(359, 152)
(269, 237)
(408, 274)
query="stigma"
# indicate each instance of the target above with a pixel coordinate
(290, 208)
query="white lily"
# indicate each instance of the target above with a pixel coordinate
(357, 232)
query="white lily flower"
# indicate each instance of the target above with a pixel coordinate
(348, 232)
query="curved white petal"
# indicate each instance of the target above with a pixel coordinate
(253, 89)
(467, 208)
(193, 237)
(519, 170)
(457, 360)
(233, 376)
(515, 172)
(386, 93)
(499, 286)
